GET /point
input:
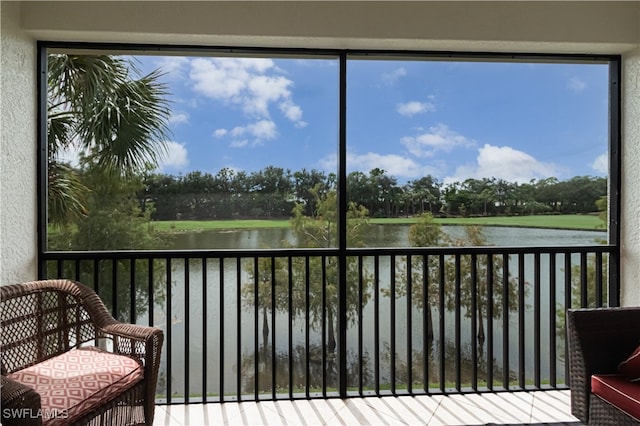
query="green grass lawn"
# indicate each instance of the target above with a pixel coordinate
(583, 222)
(206, 225)
(570, 221)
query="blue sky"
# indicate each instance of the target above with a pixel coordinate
(451, 120)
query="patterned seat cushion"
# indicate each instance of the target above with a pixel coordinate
(79, 381)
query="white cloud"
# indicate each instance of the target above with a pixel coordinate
(263, 129)
(438, 138)
(601, 164)
(393, 76)
(175, 158)
(260, 131)
(292, 112)
(238, 131)
(395, 165)
(239, 143)
(178, 118)
(264, 90)
(213, 79)
(250, 83)
(576, 85)
(173, 66)
(412, 108)
(504, 163)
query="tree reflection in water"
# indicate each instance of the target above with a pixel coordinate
(314, 379)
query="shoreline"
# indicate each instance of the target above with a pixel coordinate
(562, 222)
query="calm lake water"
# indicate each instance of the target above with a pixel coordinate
(383, 236)
(209, 311)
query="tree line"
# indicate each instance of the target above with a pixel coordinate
(118, 118)
(273, 192)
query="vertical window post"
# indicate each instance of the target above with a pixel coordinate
(615, 179)
(342, 232)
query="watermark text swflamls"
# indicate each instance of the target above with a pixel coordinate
(30, 413)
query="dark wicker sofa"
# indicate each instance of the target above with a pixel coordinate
(44, 322)
(599, 339)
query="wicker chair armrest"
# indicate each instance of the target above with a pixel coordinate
(137, 332)
(139, 341)
(144, 343)
(598, 340)
(20, 404)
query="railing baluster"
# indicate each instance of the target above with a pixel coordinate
(256, 325)
(598, 279)
(273, 328)
(505, 321)
(150, 289)
(307, 338)
(457, 323)
(114, 288)
(376, 323)
(490, 297)
(392, 322)
(204, 329)
(474, 322)
(169, 329)
(221, 367)
(441, 305)
(360, 323)
(132, 291)
(96, 276)
(290, 306)
(536, 320)
(426, 323)
(77, 269)
(409, 326)
(584, 281)
(239, 327)
(552, 320)
(324, 325)
(187, 329)
(521, 326)
(567, 305)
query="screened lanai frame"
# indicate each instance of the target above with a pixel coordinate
(342, 251)
(343, 56)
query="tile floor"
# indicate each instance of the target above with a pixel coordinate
(543, 407)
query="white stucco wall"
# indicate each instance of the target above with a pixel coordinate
(18, 248)
(630, 209)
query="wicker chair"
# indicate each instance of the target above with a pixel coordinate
(45, 319)
(599, 339)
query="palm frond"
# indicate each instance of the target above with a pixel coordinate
(60, 133)
(119, 122)
(67, 196)
(129, 129)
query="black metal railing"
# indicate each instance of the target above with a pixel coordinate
(253, 325)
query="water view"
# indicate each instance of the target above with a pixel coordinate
(244, 343)
(383, 236)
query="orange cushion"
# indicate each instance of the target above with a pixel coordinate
(618, 391)
(78, 381)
